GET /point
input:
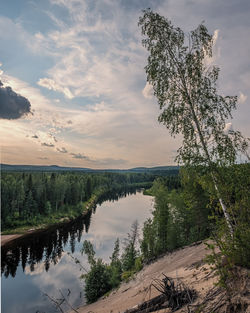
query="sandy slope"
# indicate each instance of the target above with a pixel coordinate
(185, 264)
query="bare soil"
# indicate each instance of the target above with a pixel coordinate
(8, 238)
(188, 266)
(185, 264)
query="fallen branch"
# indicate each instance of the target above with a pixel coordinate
(173, 296)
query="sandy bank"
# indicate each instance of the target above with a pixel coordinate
(8, 238)
(185, 264)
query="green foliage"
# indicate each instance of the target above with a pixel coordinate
(115, 267)
(114, 276)
(48, 208)
(25, 196)
(138, 264)
(220, 264)
(186, 91)
(180, 216)
(127, 275)
(236, 183)
(88, 249)
(130, 251)
(148, 241)
(103, 277)
(155, 231)
(96, 281)
(185, 85)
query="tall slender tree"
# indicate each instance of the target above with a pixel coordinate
(185, 87)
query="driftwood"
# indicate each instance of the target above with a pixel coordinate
(172, 296)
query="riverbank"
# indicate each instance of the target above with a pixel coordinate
(62, 217)
(8, 238)
(187, 265)
(13, 234)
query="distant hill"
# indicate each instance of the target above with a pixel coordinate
(55, 168)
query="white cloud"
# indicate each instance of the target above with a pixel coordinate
(52, 85)
(148, 91)
(208, 61)
(96, 59)
(215, 36)
(228, 128)
(92, 57)
(242, 98)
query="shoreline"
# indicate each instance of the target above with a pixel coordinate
(90, 204)
(8, 238)
(5, 239)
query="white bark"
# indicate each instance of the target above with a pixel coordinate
(224, 209)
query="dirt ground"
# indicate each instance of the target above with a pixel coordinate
(9, 238)
(185, 264)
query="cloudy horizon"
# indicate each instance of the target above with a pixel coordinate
(73, 88)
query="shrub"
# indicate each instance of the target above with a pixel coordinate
(126, 276)
(96, 281)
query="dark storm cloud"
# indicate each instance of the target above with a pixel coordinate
(48, 144)
(12, 105)
(62, 150)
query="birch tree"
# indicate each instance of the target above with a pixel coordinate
(186, 90)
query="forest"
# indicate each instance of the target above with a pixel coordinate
(185, 212)
(35, 198)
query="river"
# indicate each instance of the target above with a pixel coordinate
(42, 263)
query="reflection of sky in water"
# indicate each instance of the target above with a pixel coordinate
(24, 292)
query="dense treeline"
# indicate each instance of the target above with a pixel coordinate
(33, 198)
(192, 212)
(180, 216)
(27, 198)
(48, 245)
(185, 210)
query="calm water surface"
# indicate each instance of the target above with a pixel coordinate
(40, 263)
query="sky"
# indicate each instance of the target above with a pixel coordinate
(73, 85)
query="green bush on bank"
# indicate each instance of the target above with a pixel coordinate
(102, 277)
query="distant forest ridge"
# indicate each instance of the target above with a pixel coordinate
(56, 168)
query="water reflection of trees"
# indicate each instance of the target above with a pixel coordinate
(47, 246)
(116, 193)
